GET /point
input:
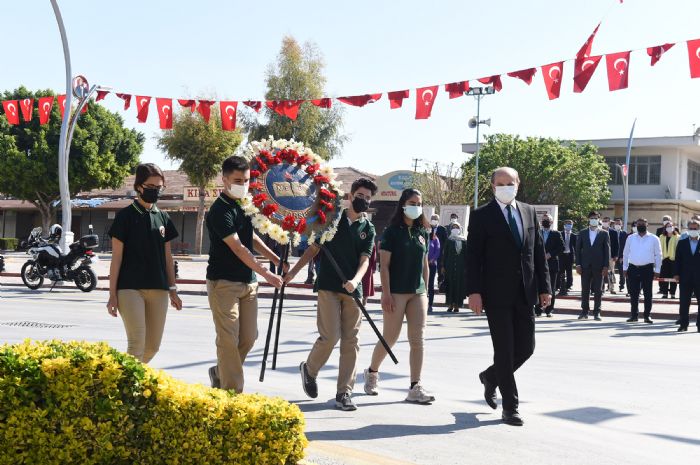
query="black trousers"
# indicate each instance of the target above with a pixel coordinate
(667, 270)
(686, 297)
(640, 277)
(513, 337)
(431, 283)
(566, 274)
(591, 280)
(621, 272)
(553, 278)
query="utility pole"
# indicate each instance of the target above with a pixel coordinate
(478, 93)
(415, 164)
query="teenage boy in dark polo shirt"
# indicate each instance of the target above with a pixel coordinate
(338, 316)
(231, 284)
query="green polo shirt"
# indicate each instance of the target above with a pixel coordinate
(350, 243)
(144, 234)
(225, 218)
(408, 247)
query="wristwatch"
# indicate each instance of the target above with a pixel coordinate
(173, 288)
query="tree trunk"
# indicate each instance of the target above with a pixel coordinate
(199, 229)
(48, 215)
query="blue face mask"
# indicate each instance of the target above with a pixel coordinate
(568, 227)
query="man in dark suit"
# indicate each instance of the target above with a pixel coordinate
(506, 274)
(441, 234)
(553, 247)
(687, 273)
(621, 239)
(609, 279)
(567, 258)
(592, 261)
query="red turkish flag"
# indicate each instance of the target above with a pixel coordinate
(585, 50)
(204, 108)
(142, 104)
(323, 102)
(618, 70)
(552, 74)
(191, 104)
(165, 112)
(657, 52)
(127, 100)
(425, 98)
(61, 104)
(228, 115)
(694, 57)
(254, 104)
(495, 81)
(101, 94)
(583, 72)
(396, 98)
(45, 104)
(11, 111)
(457, 89)
(360, 100)
(27, 106)
(524, 75)
(288, 108)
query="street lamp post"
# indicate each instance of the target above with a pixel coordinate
(478, 93)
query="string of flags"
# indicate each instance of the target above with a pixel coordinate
(585, 65)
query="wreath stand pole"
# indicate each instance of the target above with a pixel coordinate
(285, 253)
(278, 293)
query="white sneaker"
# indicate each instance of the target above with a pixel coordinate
(418, 395)
(371, 380)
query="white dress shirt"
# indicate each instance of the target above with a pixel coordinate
(516, 215)
(567, 241)
(592, 234)
(642, 250)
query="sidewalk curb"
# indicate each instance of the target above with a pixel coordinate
(348, 456)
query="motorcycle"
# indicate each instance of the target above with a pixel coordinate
(48, 261)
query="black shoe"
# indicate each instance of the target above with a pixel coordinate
(512, 417)
(634, 319)
(664, 296)
(344, 402)
(699, 329)
(307, 382)
(456, 310)
(562, 293)
(549, 315)
(214, 378)
(583, 316)
(430, 309)
(597, 317)
(678, 321)
(673, 296)
(538, 313)
(682, 329)
(648, 321)
(489, 391)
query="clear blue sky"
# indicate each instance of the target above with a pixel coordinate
(222, 48)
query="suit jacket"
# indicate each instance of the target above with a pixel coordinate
(687, 263)
(496, 269)
(622, 241)
(572, 243)
(554, 246)
(614, 243)
(596, 256)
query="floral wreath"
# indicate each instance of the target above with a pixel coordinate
(323, 217)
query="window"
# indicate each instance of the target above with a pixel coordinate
(693, 175)
(643, 170)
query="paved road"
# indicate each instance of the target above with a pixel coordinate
(603, 393)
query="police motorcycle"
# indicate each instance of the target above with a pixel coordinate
(48, 261)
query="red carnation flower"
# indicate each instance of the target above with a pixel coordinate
(301, 227)
(303, 159)
(321, 217)
(261, 164)
(269, 209)
(326, 194)
(255, 174)
(320, 179)
(255, 186)
(311, 169)
(288, 223)
(259, 199)
(288, 155)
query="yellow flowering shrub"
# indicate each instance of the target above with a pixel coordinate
(87, 403)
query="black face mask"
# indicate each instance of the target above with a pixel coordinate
(360, 205)
(546, 224)
(150, 194)
(641, 229)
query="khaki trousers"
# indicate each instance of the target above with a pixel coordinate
(143, 312)
(338, 318)
(234, 307)
(415, 308)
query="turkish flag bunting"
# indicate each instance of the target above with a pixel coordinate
(45, 104)
(524, 75)
(61, 104)
(254, 104)
(396, 98)
(127, 100)
(11, 111)
(165, 112)
(204, 108)
(27, 106)
(425, 98)
(288, 108)
(585, 50)
(657, 52)
(142, 103)
(552, 74)
(583, 72)
(191, 104)
(694, 57)
(101, 94)
(323, 102)
(457, 89)
(618, 70)
(228, 115)
(360, 100)
(495, 81)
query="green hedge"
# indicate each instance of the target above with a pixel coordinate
(86, 403)
(8, 243)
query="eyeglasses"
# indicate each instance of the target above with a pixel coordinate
(151, 186)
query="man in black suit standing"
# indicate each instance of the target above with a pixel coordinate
(553, 247)
(568, 258)
(621, 239)
(688, 272)
(506, 274)
(592, 260)
(614, 253)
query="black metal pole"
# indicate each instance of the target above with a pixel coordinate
(285, 255)
(358, 301)
(271, 323)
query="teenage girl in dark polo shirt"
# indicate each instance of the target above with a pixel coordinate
(404, 274)
(142, 273)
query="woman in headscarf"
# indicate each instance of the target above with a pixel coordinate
(454, 269)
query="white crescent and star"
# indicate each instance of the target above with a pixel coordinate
(46, 106)
(143, 101)
(697, 53)
(233, 111)
(620, 60)
(12, 108)
(426, 92)
(585, 63)
(166, 113)
(558, 69)
(26, 102)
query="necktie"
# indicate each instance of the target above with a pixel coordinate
(514, 228)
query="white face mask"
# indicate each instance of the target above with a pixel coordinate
(434, 222)
(666, 222)
(593, 222)
(634, 229)
(506, 194)
(618, 227)
(238, 191)
(453, 220)
(455, 232)
(606, 224)
(694, 233)
(669, 229)
(413, 211)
